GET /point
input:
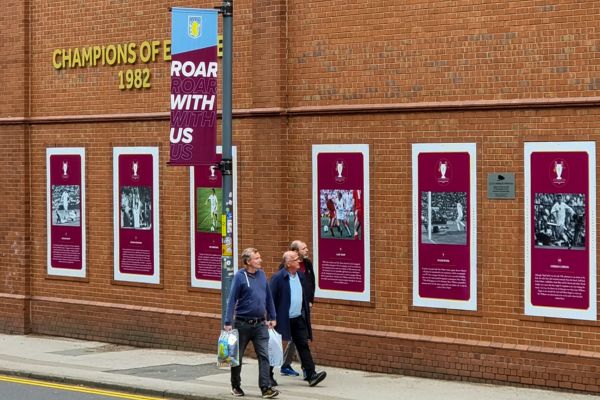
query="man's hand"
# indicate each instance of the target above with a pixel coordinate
(228, 328)
(271, 324)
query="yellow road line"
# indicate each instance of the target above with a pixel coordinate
(79, 389)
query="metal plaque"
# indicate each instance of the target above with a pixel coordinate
(501, 185)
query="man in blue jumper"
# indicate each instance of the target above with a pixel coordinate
(290, 294)
(250, 301)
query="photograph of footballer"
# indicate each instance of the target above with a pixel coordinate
(340, 214)
(559, 220)
(444, 218)
(66, 200)
(208, 209)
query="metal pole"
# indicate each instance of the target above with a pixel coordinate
(226, 163)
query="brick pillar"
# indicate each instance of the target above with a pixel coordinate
(15, 266)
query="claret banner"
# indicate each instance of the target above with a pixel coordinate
(445, 225)
(341, 221)
(194, 71)
(560, 229)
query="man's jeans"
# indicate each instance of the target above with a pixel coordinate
(300, 339)
(259, 335)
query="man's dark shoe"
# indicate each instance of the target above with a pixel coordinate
(316, 378)
(274, 382)
(237, 391)
(269, 393)
(287, 370)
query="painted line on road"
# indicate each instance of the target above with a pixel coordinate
(75, 388)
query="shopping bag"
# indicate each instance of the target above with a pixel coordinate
(275, 349)
(228, 349)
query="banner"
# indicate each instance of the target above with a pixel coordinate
(560, 230)
(194, 70)
(341, 221)
(65, 191)
(444, 225)
(136, 217)
(206, 228)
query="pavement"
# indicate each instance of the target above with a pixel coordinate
(188, 375)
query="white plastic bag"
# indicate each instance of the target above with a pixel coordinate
(275, 349)
(228, 349)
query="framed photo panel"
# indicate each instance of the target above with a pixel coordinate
(65, 211)
(560, 229)
(136, 214)
(206, 229)
(444, 205)
(341, 225)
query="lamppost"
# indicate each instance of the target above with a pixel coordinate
(226, 164)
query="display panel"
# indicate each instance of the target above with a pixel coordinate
(341, 221)
(65, 190)
(445, 225)
(206, 228)
(136, 222)
(560, 230)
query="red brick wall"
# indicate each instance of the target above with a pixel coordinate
(506, 64)
(407, 51)
(15, 271)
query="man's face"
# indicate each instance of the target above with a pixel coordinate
(303, 251)
(255, 261)
(293, 263)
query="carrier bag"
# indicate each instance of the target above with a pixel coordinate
(275, 349)
(228, 349)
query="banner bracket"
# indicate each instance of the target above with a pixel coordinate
(226, 8)
(226, 166)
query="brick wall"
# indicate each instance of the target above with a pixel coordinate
(15, 271)
(387, 74)
(385, 52)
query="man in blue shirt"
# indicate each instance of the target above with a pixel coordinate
(307, 269)
(250, 301)
(289, 289)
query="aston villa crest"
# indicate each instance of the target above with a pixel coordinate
(194, 26)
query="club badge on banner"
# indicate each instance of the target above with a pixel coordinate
(194, 71)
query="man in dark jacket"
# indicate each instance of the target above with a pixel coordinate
(289, 289)
(306, 268)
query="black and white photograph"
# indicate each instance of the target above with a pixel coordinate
(444, 218)
(66, 202)
(559, 220)
(136, 207)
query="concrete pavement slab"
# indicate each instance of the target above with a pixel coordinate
(182, 374)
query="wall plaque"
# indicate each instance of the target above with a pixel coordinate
(501, 185)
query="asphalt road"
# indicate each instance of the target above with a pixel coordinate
(15, 388)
